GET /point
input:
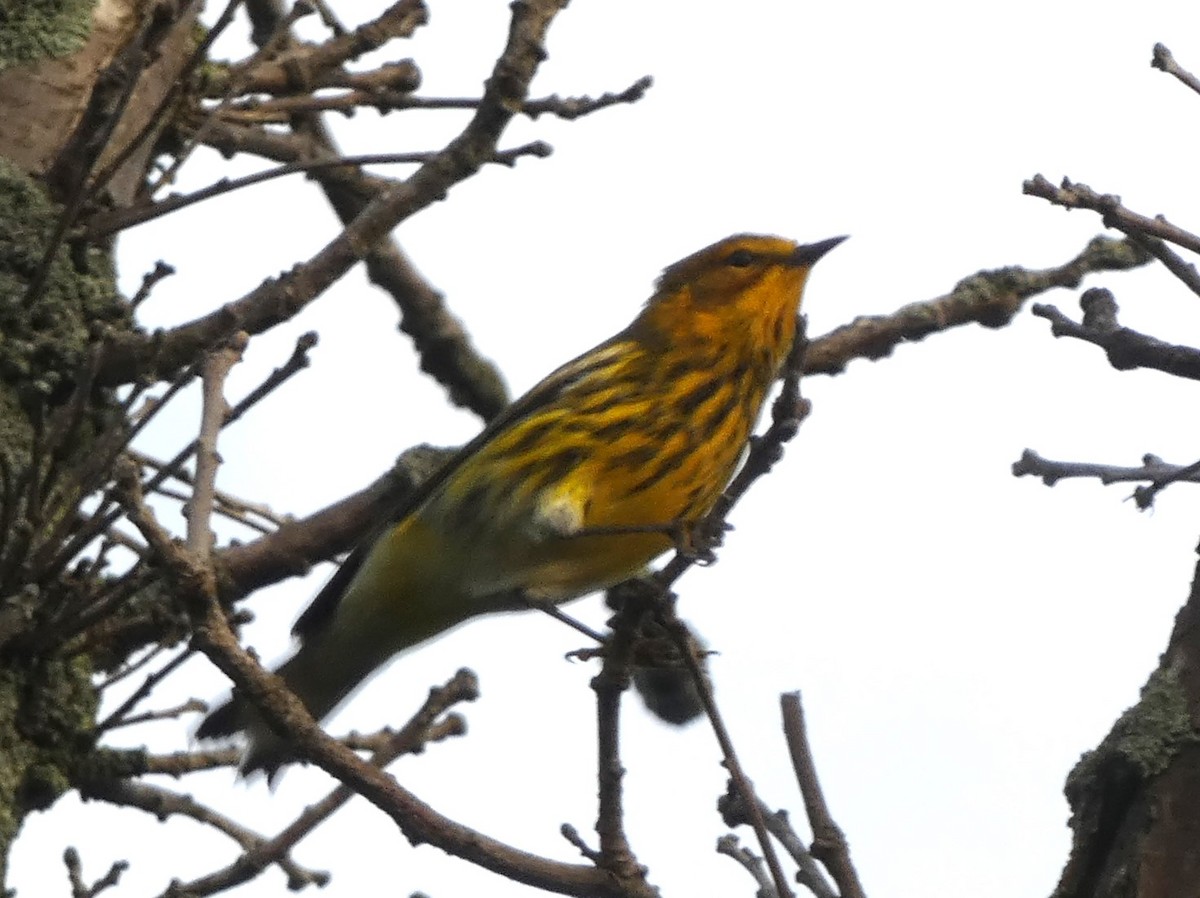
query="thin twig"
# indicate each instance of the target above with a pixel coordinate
(329, 18)
(729, 846)
(296, 363)
(163, 803)
(423, 728)
(67, 419)
(191, 706)
(568, 108)
(57, 550)
(106, 514)
(732, 764)
(130, 669)
(110, 598)
(549, 608)
(238, 512)
(571, 108)
(79, 889)
(278, 77)
(233, 507)
(160, 271)
(122, 219)
(810, 875)
(119, 717)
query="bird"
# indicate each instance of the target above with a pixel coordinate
(574, 487)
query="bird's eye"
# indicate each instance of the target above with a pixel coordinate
(740, 258)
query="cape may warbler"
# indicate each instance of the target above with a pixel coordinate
(574, 487)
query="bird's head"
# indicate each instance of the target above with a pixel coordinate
(743, 286)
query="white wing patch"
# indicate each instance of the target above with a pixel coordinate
(560, 510)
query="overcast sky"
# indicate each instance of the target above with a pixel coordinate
(960, 636)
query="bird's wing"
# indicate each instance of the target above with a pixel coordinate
(543, 394)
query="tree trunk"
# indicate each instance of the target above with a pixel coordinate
(1135, 814)
(76, 86)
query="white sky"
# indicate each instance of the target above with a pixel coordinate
(960, 636)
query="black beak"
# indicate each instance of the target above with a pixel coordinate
(810, 252)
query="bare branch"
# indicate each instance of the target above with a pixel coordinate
(1073, 195)
(229, 139)
(168, 176)
(571, 834)
(1172, 261)
(1126, 349)
(213, 415)
(990, 298)
(443, 344)
(441, 341)
(616, 854)
(163, 803)
(1153, 469)
(68, 538)
(312, 66)
(418, 821)
(274, 78)
(180, 763)
(829, 843)
(130, 668)
(131, 356)
(810, 875)
(1164, 60)
(1149, 233)
(106, 515)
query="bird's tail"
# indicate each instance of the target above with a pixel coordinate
(321, 685)
(403, 592)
